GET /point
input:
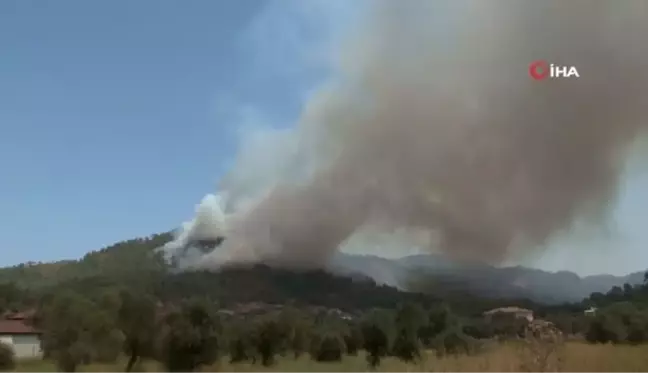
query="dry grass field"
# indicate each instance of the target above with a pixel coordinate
(573, 356)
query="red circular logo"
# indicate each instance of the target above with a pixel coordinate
(539, 70)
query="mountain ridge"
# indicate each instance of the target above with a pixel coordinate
(513, 281)
(430, 273)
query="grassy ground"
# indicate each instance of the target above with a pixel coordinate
(573, 356)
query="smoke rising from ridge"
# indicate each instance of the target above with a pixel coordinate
(432, 123)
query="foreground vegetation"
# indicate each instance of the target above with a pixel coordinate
(122, 308)
(123, 330)
(574, 357)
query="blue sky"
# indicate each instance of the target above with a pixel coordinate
(117, 116)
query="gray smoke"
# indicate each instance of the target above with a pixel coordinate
(433, 123)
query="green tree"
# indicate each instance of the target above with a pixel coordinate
(76, 331)
(11, 296)
(410, 316)
(299, 338)
(137, 319)
(479, 328)
(620, 322)
(410, 319)
(438, 319)
(508, 326)
(563, 321)
(637, 330)
(330, 348)
(353, 339)
(453, 341)
(295, 327)
(615, 294)
(239, 349)
(376, 333)
(241, 342)
(7, 358)
(606, 327)
(406, 346)
(376, 344)
(269, 340)
(191, 338)
(445, 332)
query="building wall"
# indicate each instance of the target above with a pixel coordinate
(517, 315)
(525, 315)
(24, 345)
(6, 339)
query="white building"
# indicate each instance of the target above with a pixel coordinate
(24, 339)
(515, 312)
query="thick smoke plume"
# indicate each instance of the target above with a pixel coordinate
(434, 124)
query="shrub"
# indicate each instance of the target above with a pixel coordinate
(376, 343)
(353, 341)
(191, 338)
(7, 357)
(239, 350)
(268, 341)
(606, 328)
(331, 348)
(454, 342)
(406, 346)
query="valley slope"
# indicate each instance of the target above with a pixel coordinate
(133, 260)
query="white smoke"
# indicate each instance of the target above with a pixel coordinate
(209, 224)
(431, 123)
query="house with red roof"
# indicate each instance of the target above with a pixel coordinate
(17, 333)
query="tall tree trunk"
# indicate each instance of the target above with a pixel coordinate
(131, 361)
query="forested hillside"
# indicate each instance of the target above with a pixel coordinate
(134, 261)
(133, 264)
(124, 258)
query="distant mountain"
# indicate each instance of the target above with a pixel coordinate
(434, 273)
(133, 259)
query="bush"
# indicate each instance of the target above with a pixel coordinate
(269, 341)
(240, 337)
(376, 343)
(331, 348)
(111, 347)
(479, 328)
(299, 340)
(239, 350)
(353, 341)
(7, 357)
(606, 328)
(508, 327)
(454, 342)
(191, 338)
(406, 346)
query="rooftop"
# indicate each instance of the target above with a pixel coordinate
(508, 310)
(16, 327)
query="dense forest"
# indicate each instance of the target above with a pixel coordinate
(134, 264)
(125, 299)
